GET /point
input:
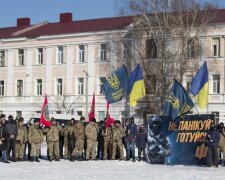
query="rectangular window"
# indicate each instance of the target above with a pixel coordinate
(151, 48)
(60, 55)
(2, 58)
(18, 114)
(190, 48)
(80, 86)
(103, 52)
(101, 115)
(59, 86)
(81, 54)
(20, 57)
(40, 56)
(216, 46)
(127, 49)
(216, 116)
(216, 83)
(150, 84)
(189, 79)
(101, 82)
(39, 87)
(2, 84)
(19, 87)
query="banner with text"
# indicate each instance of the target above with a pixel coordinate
(185, 140)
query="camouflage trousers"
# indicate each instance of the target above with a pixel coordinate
(118, 144)
(79, 146)
(222, 149)
(66, 149)
(19, 150)
(35, 149)
(107, 149)
(91, 148)
(53, 148)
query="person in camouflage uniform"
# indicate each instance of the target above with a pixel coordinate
(79, 145)
(71, 137)
(107, 135)
(118, 134)
(21, 139)
(35, 137)
(91, 131)
(66, 135)
(53, 139)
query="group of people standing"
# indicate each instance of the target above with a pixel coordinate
(77, 140)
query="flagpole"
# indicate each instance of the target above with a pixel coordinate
(86, 94)
(196, 109)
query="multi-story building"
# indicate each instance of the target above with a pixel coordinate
(66, 60)
(69, 61)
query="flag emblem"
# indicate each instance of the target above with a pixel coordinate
(113, 81)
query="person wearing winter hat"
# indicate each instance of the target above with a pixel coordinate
(141, 141)
(118, 134)
(21, 139)
(35, 138)
(131, 132)
(9, 134)
(91, 132)
(53, 139)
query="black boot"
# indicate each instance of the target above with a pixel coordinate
(80, 158)
(72, 158)
(31, 159)
(37, 160)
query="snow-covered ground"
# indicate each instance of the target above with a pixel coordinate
(105, 170)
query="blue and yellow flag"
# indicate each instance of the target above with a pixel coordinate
(200, 86)
(136, 86)
(178, 103)
(116, 85)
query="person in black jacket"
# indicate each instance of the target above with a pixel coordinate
(9, 133)
(141, 141)
(212, 140)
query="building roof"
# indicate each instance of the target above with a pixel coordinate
(92, 25)
(81, 26)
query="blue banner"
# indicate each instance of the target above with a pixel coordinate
(116, 85)
(181, 143)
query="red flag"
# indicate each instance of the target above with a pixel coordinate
(109, 120)
(92, 112)
(45, 120)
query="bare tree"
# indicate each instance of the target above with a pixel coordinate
(164, 37)
(65, 103)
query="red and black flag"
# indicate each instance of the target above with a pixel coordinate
(92, 112)
(45, 120)
(109, 120)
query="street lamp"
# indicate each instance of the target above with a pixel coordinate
(86, 94)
